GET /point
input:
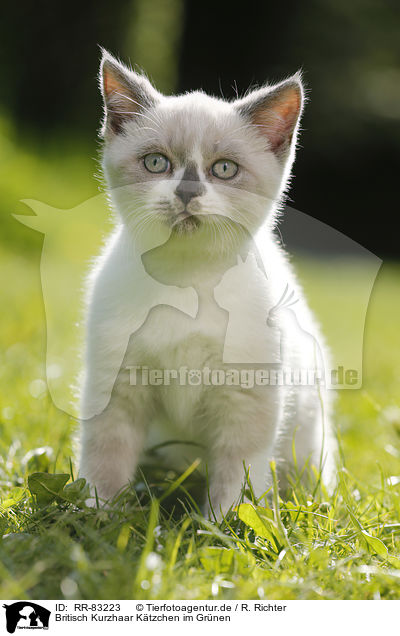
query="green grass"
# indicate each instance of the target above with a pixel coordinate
(315, 546)
(153, 543)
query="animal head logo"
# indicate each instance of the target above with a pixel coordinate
(26, 615)
(247, 294)
(240, 283)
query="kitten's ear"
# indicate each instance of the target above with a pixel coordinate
(251, 259)
(125, 93)
(276, 111)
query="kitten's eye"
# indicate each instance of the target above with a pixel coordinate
(154, 162)
(224, 169)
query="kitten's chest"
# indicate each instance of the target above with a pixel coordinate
(230, 318)
(172, 342)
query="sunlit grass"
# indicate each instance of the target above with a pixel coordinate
(67, 550)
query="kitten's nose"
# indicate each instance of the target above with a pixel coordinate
(190, 185)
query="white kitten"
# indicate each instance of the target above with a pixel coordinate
(191, 280)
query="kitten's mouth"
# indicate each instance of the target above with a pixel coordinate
(185, 222)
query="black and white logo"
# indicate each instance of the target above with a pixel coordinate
(26, 615)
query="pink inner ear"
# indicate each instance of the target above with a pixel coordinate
(277, 120)
(111, 84)
(115, 90)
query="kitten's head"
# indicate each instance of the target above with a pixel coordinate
(193, 161)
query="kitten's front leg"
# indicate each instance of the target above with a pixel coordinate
(243, 440)
(228, 477)
(110, 447)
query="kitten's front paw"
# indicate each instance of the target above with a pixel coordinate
(95, 500)
(98, 498)
(92, 502)
(98, 502)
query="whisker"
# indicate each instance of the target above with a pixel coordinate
(136, 114)
(153, 120)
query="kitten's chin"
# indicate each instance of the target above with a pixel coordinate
(185, 223)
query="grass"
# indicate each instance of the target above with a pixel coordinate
(152, 542)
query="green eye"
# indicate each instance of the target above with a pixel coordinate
(224, 169)
(154, 162)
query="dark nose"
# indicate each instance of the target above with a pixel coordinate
(190, 185)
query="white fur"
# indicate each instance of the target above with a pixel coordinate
(232, 424)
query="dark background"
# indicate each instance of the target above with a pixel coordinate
(346, 171)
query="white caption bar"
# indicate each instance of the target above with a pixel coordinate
(176, 617)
